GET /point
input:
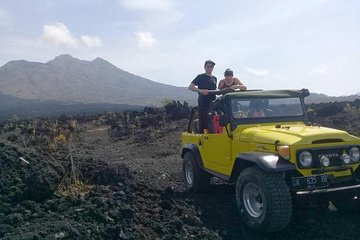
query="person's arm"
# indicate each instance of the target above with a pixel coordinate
(221, 84)
(238, 85)
(193, 88)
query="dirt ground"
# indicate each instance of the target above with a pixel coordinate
(132, 188)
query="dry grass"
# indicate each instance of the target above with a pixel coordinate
(74, 189)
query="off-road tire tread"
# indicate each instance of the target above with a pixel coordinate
(277, 192)
(201, 178)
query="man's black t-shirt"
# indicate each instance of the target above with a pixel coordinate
(204, 81)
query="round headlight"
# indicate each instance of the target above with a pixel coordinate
(305, 159)
(325, 161)
(345, 158)
(354, 154)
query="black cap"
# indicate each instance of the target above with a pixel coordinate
(228, 72)
(209, 62)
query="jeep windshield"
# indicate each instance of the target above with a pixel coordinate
(265, 106)
(255, 108)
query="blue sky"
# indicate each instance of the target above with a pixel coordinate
(274, 44)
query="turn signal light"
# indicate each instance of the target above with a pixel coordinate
(284, 152)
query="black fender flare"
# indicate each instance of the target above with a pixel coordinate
(195, 150)
(266, 161)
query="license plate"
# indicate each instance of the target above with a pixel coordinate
(310, 182)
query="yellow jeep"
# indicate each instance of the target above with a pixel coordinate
(263, 142)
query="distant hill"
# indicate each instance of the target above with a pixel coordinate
(322, 98)
(23, 108)
(67, 79)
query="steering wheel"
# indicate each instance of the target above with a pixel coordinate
(240, 114)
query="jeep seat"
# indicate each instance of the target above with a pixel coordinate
(215, 110)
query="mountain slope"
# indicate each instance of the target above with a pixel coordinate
(68, 79)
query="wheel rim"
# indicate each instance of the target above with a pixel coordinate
(189, 173)
(253, 199)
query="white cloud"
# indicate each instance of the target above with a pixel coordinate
(57, 33)
(150, 5)
(4, 18)
(322, 70)
(145, 39)
(91, 41)
(258, 73)
(155, 14)
(280, 78)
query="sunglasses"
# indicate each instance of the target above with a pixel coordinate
(209, 66)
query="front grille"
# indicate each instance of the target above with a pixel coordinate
(334, 154)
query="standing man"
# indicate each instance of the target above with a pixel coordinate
(202, 84)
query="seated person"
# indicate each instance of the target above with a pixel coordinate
(256, 108)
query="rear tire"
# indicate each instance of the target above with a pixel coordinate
(195, 178)
(264, 200)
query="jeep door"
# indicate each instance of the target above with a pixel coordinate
(217, 152)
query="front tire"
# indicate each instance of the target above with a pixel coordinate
(264, 200)
(195, 178)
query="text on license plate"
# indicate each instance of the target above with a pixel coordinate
(310, 182)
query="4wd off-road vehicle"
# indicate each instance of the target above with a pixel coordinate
(263, 142)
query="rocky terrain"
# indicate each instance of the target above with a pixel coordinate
(118, 176)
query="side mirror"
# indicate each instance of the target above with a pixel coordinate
(223, 121)
(305, 92)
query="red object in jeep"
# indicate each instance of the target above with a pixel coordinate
(216, 122)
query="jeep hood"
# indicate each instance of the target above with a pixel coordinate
(291, 134)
